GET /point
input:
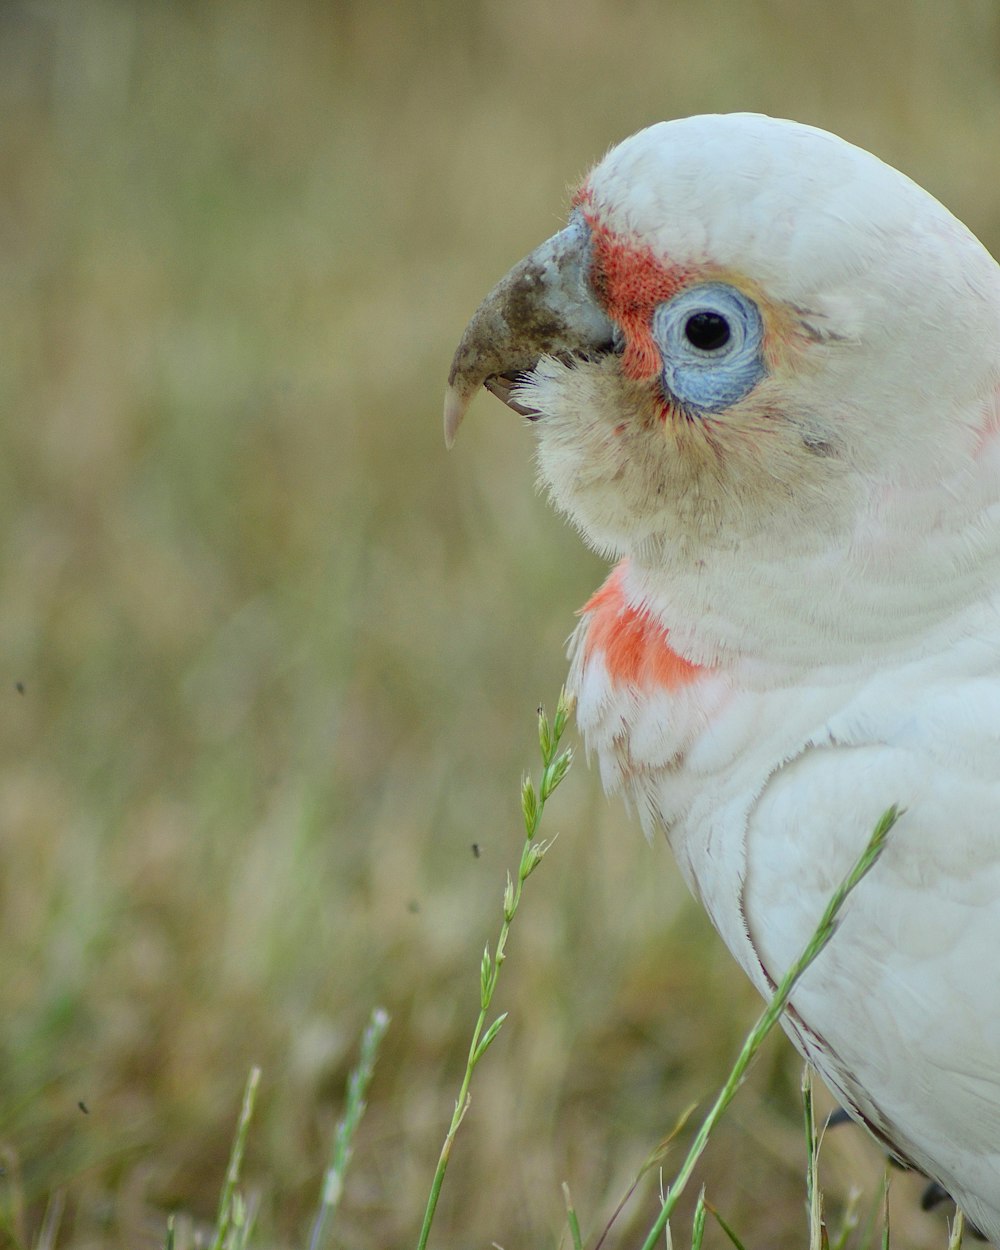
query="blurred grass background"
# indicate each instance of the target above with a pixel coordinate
(269, 658)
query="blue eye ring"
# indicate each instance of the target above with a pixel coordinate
(710, 339)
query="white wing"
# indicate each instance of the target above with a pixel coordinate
(901, 1013)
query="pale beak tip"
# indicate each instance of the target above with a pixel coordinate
(456, 404)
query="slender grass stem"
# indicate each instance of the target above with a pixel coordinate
(726, 1228)
(227, 1201)
(555, 766)
(772, 1013)
(340, 1155)
(814, 1195)
(571, 1219)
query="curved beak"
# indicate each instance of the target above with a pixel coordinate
(543, 307)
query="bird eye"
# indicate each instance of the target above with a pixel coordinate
(708, 331)
(710, 339)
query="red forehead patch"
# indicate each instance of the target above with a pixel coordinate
(630, 281)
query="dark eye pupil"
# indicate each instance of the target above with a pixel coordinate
(708, 331)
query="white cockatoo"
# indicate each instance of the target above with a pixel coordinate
(764, 372)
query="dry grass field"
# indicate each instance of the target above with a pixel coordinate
(269, 657)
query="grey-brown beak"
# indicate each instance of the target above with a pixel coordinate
(543, 307)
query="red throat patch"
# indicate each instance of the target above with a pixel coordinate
(630, 281)
(634, 645)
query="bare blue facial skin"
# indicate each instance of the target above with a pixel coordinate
(710, 339)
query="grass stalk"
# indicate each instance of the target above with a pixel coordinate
(769, 1018)
(571, 1219)
(53, 1218)
(818, 1239)
(723, 1224)
(340, 1155)
(555, 765)
(232, 1209)
(698, 1222)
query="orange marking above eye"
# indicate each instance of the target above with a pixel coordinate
(635, 646)
(629, 282)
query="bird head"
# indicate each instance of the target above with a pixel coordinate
(753, 345)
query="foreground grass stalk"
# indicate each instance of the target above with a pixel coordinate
(652, 1160)
(571, 1219)
(814, 1195)
(698, 1223)
(555, 766)
(232, 1210)
(340, 1156)
(824, 932)
(53, 1218)
(726, 1228)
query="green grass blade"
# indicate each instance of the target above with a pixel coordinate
(571, 1220)
(357, 1087)
(554, 770)
(772, 1013)
(224, 1218)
